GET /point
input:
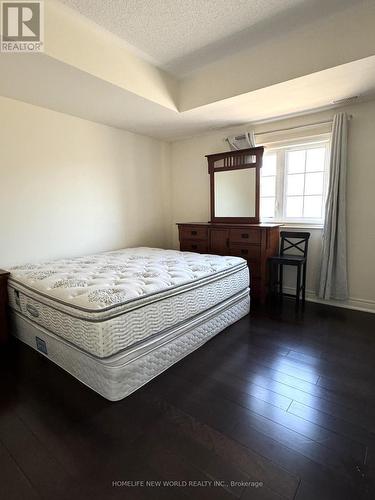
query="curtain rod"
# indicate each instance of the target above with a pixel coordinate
(294, 128)
(242, 136)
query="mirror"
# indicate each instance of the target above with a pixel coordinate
(235, 193)
(235, 182)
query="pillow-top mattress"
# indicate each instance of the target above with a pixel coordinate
(105, 302)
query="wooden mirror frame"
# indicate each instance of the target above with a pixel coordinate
(236, 160)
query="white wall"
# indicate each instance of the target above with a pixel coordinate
(70, 186)
(190, 194)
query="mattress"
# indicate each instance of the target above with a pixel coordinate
(106, 302)
(123, 373)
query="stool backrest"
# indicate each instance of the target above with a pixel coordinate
(294, 240)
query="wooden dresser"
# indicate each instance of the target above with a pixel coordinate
(4, 327)
(253, 242)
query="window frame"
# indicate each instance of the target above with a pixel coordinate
(281, 150)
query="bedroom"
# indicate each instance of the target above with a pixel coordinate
(105, 130)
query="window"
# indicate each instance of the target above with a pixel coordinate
(293, 183)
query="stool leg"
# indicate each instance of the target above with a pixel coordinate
(304, 284)
(281, 279)
(270, 278)
(298, 287)
(275, 270)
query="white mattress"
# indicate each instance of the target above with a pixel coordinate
(106, 302)
(121, 374)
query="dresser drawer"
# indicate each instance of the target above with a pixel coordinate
(193, 246)
(193, 233)
(245, 251)
(245, 235)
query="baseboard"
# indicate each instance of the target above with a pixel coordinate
(351, 303)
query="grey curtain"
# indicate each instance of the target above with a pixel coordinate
(246, 140)
(333, 283)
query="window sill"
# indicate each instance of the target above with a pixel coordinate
(319, 227)
(297, 225)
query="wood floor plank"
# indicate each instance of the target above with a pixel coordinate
(251, 381)
(174, 467)
(349, 387)
(308, 491)
(297, 433)
(257, 373)
(349, 448)
(259, 492)
(278, 363)
(332, 365)
(362, 431)
(305, 456)
(215, 449)
(282, 398)
(42, 470)
(244, 392)
(14, 484)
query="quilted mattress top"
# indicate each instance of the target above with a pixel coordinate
(107, 280)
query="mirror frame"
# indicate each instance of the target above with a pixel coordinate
(235, 160)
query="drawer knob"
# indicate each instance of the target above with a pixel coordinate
(244, 251)
(194, 247)
(245, 235)
(194, 233)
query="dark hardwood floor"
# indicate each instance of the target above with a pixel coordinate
(279, 406)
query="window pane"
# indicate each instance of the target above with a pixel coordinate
(313, 206)
(267, 186)
(267, 207)
(295, 184)
(315, 159)
(269, 164)
(314, 183)
(296, 161)
(294, 206)
(296, 174)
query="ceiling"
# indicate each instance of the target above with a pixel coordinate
(88, 72)
(42, 80)
(183, 35)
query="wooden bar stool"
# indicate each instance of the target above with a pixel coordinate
(298, 242)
